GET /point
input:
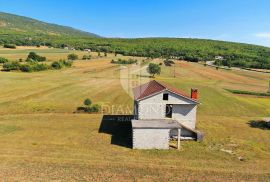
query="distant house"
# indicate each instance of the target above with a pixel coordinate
(219, 58)
(88, 50)
(156, 102)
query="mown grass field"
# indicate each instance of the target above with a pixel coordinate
(42, 139)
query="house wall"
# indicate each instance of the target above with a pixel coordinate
(150, 138)
(154, 107)
(186, 114)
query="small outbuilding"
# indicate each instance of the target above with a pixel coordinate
(153, 134)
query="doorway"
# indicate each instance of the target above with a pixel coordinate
(168, 113)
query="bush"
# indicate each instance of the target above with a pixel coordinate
(72, 57)
(30, 67)
(87, 102)
(32, 56)
(168, 62)
(81, 109)
(96, 108)
(10, 46)
(66, 63)
(39, 67)
(3, 60)
(10, 66)
(123, 61)
(26, 68)
(88, 108)
(85, 57)
(56, 65)
(248, 92)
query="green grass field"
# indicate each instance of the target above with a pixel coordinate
(42, 139)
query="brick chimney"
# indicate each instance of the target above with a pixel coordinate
(194, 93)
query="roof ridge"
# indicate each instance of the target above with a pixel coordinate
(160, 84)
(147, 91)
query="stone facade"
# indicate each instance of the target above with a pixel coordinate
(151, 138)
(154, 107)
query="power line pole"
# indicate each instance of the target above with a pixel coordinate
(174, 70)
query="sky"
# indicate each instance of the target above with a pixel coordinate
(246, 21)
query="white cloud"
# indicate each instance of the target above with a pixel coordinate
(263, 35)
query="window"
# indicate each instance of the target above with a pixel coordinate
(169, 111)
(165, 96)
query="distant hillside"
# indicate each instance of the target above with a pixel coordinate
(26, 31)
(20, 25)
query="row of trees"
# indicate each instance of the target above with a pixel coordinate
(123, 61)
(33, 64)
(240, 55)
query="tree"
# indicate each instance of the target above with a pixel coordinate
(56, 65)
(32, 56)
(87, 102)
(153, 69)
(72, 56)
(3, 60)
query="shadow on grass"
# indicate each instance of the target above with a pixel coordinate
(119, 126)
(261, 124)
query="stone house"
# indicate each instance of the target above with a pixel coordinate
(158, 102)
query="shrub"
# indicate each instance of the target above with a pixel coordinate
(39, 67)
(72, 56)
(80, 109)
(96, 108)
(85, 57)
(123, 61)
(10, 66)
(168, 62)
(10, 46)
(248, 92)
(3, 60)
(87, 102)
(32, 56)
(30, 67)
(26, 68)
(66, 63)
(56, 65)
(88, 108)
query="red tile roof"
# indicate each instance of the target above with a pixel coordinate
(154, 87)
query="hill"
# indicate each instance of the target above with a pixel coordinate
(26, 31)
(20, 25)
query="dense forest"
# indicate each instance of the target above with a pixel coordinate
(20, 31)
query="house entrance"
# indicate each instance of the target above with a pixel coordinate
(169, 111)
